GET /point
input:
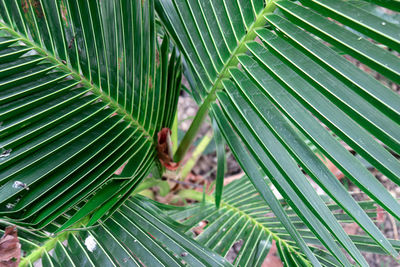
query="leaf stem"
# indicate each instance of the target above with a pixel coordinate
(193, 129)
(51, 243)
(195, 156)
(46, 247)
(174, 134)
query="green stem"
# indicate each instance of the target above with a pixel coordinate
(192, 132)
(174, 134)
(50, 244)
(195, 156)
(217, 85)
(150, 182)
(47, 246)
(195, 195)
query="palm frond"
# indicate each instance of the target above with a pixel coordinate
(137, 234)
(244, 216)
(269, 62)
(84, 89)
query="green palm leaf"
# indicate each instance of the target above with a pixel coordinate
(84, 90)
(137, 234)
(244, 216)
(265, 63)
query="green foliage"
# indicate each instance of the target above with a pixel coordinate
(136, 234)
(85, 86)
(244, 216)
(84, 90)
(262, 77)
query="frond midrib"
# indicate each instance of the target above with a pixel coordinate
(240, 49)
(83, 80)
(211, 96)
(51, 243)
(47, 246)
(266, 229)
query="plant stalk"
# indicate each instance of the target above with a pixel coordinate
(195, 156)
(50, 244)
(193, 129)
(174, 134)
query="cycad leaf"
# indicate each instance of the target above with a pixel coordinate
(298, 149)
(394, 5)
(359, 19)
(351, 43)
(221, 161)
(137, 234)
(339, 65)
(247, 162)
(82, 93)
(243, 215)
(289, 74)
(290, 183)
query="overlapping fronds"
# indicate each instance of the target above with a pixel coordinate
(245, 217)
(137, 234)
(268, 69)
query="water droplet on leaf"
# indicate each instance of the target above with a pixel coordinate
(5, 152)
(90, 243)
(19, 185)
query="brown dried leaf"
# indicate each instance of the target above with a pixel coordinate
(164, 148)
(10, 248)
